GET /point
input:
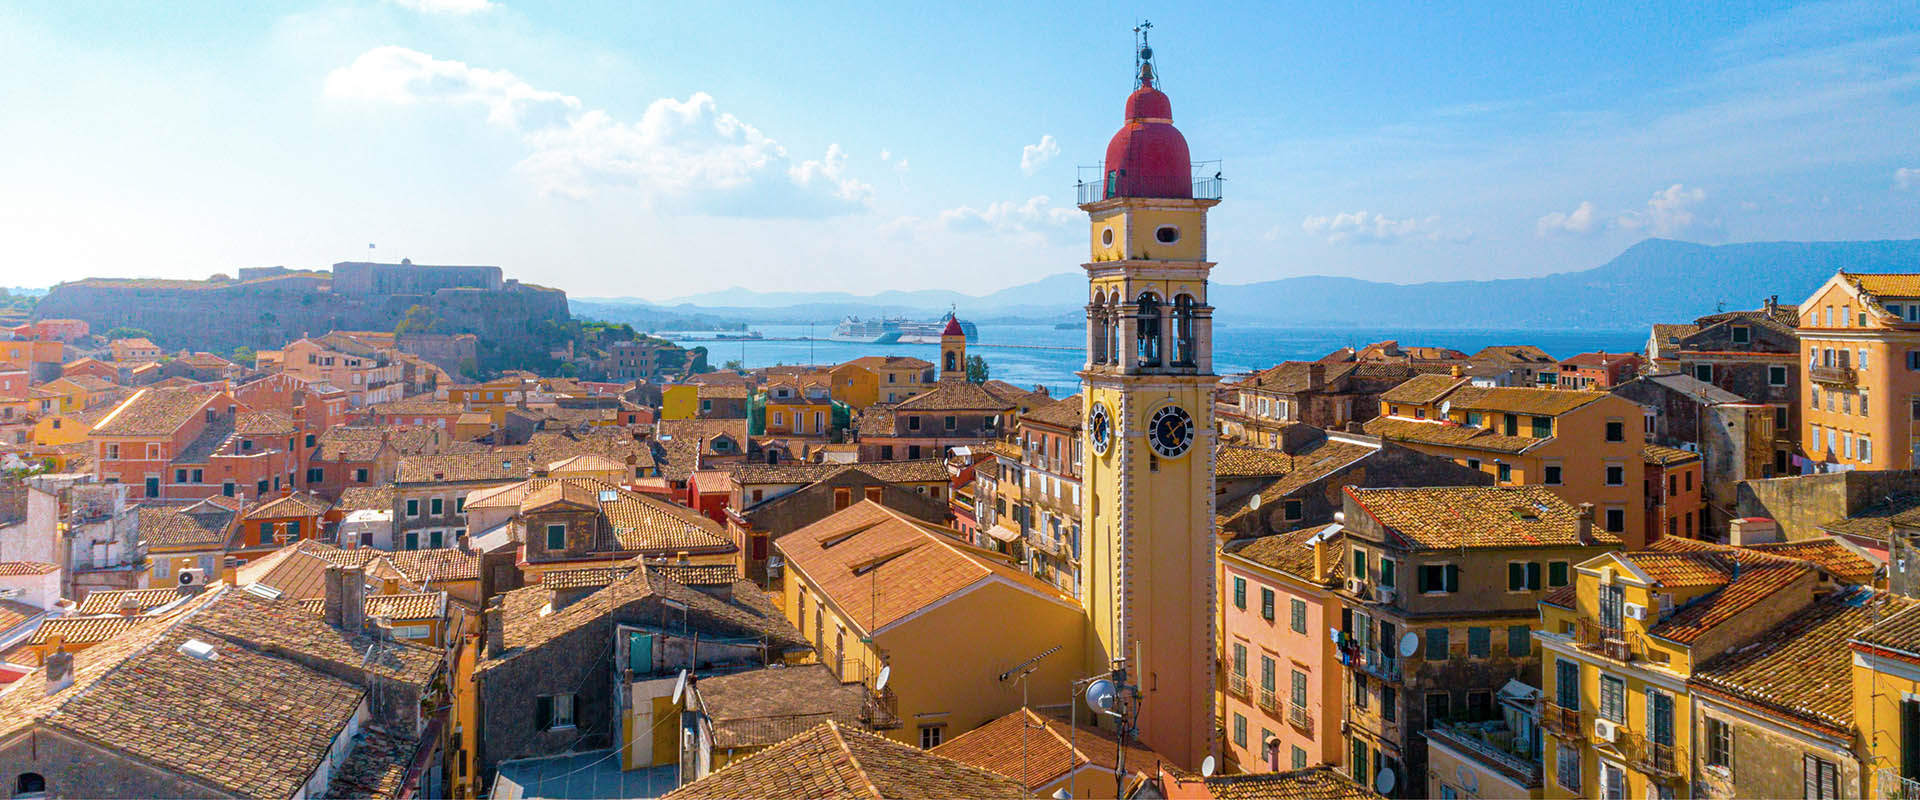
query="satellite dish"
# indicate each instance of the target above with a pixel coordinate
(1100, 696)
(1446, 407)
(1383, 781)
(1253, 503)
(1062, 794)
(885, 673)
(1408, 644)
(1206, 767)
(680, 687)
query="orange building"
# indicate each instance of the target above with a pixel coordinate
(1861, 340)
(1676, 500)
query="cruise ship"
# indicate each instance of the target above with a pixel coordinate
(891, 330)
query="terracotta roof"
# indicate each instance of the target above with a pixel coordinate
(402, 607)
(299, 570)
(1886, 284)
(1673, 332)
(428, 567)
(869, 553)
(529, 620)
(894, 362)
(295, 504)
(589, 462)
(367, 498)
(423, 406)
(201, 524)
(1476, 516)
(875, 420)
(1802, 667)
(279, 718)
(1667, 456)
(1514, 354)
(86, 630)
(1738, 578)
(362, 443)
(1829, 554)
(1243, 461)
(1601, 359)
(503, 464)
(634, 521)
(1293, 377)
(959, 395)
(264, 423)
(1290, 552)
(108, 601)
(11, 568)
(1065, 413)
(1519, 400)
(924, 470)
(760, 707)
(698, 574)
(153, 412)
(585, 577)
(1045, 748)
(833, 760)
(1422, 389)
(14, 612)
(377, 766)
(1323, 782)
(1447, 434)
(1565, 597)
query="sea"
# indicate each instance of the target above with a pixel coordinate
(1043, 355)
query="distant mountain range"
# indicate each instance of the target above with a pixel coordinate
(1657, 280)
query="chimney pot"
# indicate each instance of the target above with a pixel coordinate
(496, 632)
(1584, 527)
(59, 667)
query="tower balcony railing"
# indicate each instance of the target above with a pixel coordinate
(1096, 191)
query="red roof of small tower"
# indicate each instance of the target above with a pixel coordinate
(1148, 157)
(953, 327)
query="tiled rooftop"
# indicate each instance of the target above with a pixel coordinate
(153, 412)
(1323, 782)
(833, 760)
(1045, 748)
(1802, 666)
(1477, 516)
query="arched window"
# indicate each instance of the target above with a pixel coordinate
(29, 783)
(1097, 321)
(1147, 330)
(1183, 345)
(1112, 310)
(950, 365)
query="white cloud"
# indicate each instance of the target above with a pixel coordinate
(1364, 227)
(1037, 214)
(445, 6)
(1581, 221)
(1670, 212)
(1907, 177)
(682, 156)
(1034, 155)
(400, 76)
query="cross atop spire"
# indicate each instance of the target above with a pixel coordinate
(1143, 54)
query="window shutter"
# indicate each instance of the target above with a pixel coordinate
(542, 713)
(1420, 579)
(1533, 575)
(1453, 577)
(1910, 738)
(1516, 576)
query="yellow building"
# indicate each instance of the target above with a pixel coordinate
(797, 408)
(188, 537)
(1587, 447)
(871, 587)
(680, 401)
(1620, 645)
(1861, 340)
(1886, 704)
(869, 380)
(1147, 504)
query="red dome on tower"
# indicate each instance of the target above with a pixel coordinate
(953, 327)
(1148, 157)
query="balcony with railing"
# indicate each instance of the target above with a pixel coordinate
(1651, 757)
(1237, 684)
(1492, 744)
(1380, 664)
(1094, 191)
(1566, 723)
(1617, 644)
(1300, 717)
(1889, 785)
(1268, 702)
(1841, 376)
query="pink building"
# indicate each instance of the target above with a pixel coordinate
(192, 443)
(1279, 667)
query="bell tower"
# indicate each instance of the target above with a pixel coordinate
(953, 350)
(1148, 388)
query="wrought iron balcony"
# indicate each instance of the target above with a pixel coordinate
(1651, 757)
(1889, 785)
(1833, 376)
(1298, 716)
(1237, 684)
(1614, 643)
(1380, 664)
(1566, 723)
(1475, 740)
(1096, 191)
(1268, 702)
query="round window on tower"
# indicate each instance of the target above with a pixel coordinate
(1166, 234)
(1106, 237)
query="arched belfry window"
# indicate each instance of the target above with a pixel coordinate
(1112, 309)
(950, 365)
(1183, 344)
(1147, 330)
(1098, 319)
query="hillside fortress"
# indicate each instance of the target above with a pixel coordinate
(267, 307)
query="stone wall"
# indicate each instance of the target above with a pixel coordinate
(1803, 503)
(73, 768)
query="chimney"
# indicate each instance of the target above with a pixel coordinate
(1316, 376)
(353, 599)
(390, 586)
(59, 666)
(1456, 370)
(129, 607)
(335, 580)
(1584, 526)
(496, 632)
(1324, 558)
(1752, 530)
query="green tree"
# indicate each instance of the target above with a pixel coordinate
(243, 355)
(733, 365)
(419, 319)
(976, 369)
(127, 332)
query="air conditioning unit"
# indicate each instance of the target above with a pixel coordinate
(1604, 730)
(1635, 611)
(1357, 586)
(1383, 594)
(193, 576)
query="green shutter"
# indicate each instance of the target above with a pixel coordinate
(1453, 577)
(1516, 576)
(1533, 575)
(542, 713)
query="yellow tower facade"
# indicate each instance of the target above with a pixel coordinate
(1148, 387)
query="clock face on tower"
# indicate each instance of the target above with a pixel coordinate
(1171, 431)
(1099, 429)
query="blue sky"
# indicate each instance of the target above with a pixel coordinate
(663, 149)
